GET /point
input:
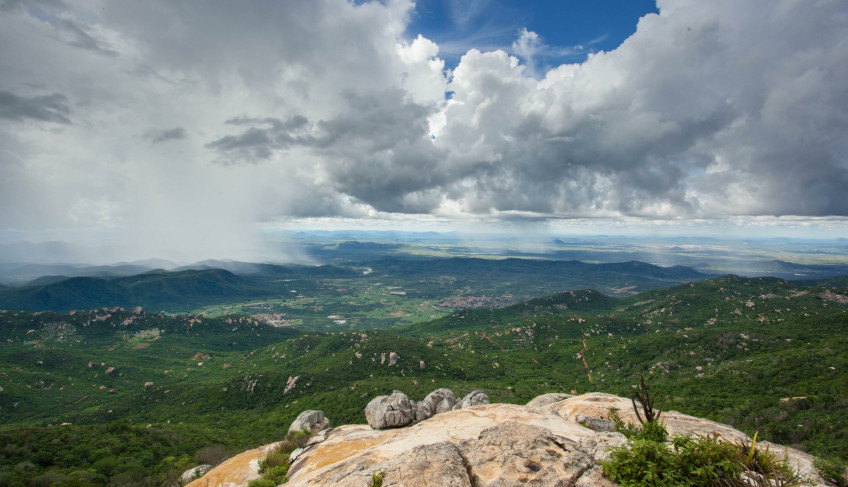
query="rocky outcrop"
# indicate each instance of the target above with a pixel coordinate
(546, 399)
(391, 411)
(398, 410)
(237, 471)
(492, 445)
(595, 423)
(310, 420)
(194, 473)
(474, 398)
(290, 383)
(438, 401)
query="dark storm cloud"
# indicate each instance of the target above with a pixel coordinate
(378, 151)
(158, 136)
(260, 140)
(48, 108)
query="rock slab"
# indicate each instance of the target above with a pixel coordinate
(487, 445)
(311, 420)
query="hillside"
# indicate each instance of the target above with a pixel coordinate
(181, 290)
(383, 293)
(759, 354)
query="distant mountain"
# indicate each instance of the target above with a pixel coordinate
(41, 281)
(154, 290)
(20, 274)
(218, 282)
(469, 266)
(180, 290)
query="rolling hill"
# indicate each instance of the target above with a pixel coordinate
(761, 354)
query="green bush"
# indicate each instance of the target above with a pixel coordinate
(643, 463)
(275, 458)
(693, 461)
(277, 474)
(651, 431)
(707, 461)
(274, 468)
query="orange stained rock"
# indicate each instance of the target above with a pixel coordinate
(236, 471)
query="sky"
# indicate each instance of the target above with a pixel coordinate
(197, 128)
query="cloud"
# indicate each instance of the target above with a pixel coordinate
(159, 136)
(81, 38)
(330, 108)
(701, 113)
(48, 108)
(259, 141)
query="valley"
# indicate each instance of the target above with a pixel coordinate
(761, 354)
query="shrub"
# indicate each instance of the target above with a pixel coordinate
(651, 431)
(693, 461)
(274, 468)
(642, 463)
(275, 458)
(707, 461)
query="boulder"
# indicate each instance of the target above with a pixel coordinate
(474, 398)
(436, 402)
(595, 423)
(194, 473)
(391, 411)
(310, 420)
(546, 399)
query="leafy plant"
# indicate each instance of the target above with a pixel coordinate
(763, 469)
(377, 479)
(694, 461)
(651, 431)
(643, 463)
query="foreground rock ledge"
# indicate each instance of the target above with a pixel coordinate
(487, 445)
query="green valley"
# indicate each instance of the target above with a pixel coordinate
(761, 354)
